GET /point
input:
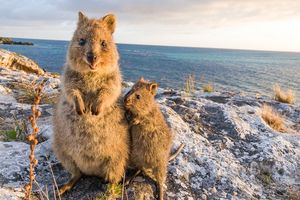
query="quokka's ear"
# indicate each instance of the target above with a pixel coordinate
(153, 88)
(141, 79)
(110, 21)
(82, 18)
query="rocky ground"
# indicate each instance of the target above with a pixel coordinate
(230, 152)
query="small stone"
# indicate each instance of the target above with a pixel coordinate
(139, 179)
(203, 196)
(213, 190)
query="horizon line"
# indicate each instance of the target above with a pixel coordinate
(180, 46)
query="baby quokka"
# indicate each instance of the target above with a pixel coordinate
(150, 134)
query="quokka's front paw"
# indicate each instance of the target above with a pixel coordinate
(79, 106)
(80, 111)
(96, 109)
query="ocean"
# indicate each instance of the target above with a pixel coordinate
(245, 71)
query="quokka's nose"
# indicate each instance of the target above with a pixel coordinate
(91, 57)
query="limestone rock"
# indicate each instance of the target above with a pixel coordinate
(16, 61)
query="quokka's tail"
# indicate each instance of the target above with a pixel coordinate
(174, 155)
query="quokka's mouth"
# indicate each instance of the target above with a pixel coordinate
(93, 66)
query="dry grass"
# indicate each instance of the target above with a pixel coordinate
(55, 74)
(284, 97)
(208, 87)
(189, 86)
(272, 118)
(27, 93)
(55, 186)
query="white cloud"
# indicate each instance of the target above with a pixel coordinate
(211, 23)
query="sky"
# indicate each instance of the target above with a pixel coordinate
(234, 24)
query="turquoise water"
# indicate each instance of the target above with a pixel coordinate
(236, 70)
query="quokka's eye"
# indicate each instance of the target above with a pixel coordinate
(103, 44)
(138, 96)
(82, 42)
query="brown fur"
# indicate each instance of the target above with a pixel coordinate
(150, 134)
(90, 131)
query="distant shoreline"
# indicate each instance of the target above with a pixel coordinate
(9, 41)
(174, 46)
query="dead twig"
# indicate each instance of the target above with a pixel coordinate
(55, 186)
(32, 138)
(44, 194)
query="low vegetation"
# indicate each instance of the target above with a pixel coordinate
(284, 97)
(113, 191)
(265, 177)
(208, 87)
(17, 132)
(189, 86)
(14, 130)
(272, 118)
(8, 135)
(26, 94)
(55, 74)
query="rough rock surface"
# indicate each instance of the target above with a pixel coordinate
(12, 90)
(230, 153)
(13, 60)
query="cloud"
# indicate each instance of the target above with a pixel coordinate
(152, 18)
(144, 11)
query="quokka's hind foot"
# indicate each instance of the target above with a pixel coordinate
(69, 185)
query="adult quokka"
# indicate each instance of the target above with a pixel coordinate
(90, 131)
